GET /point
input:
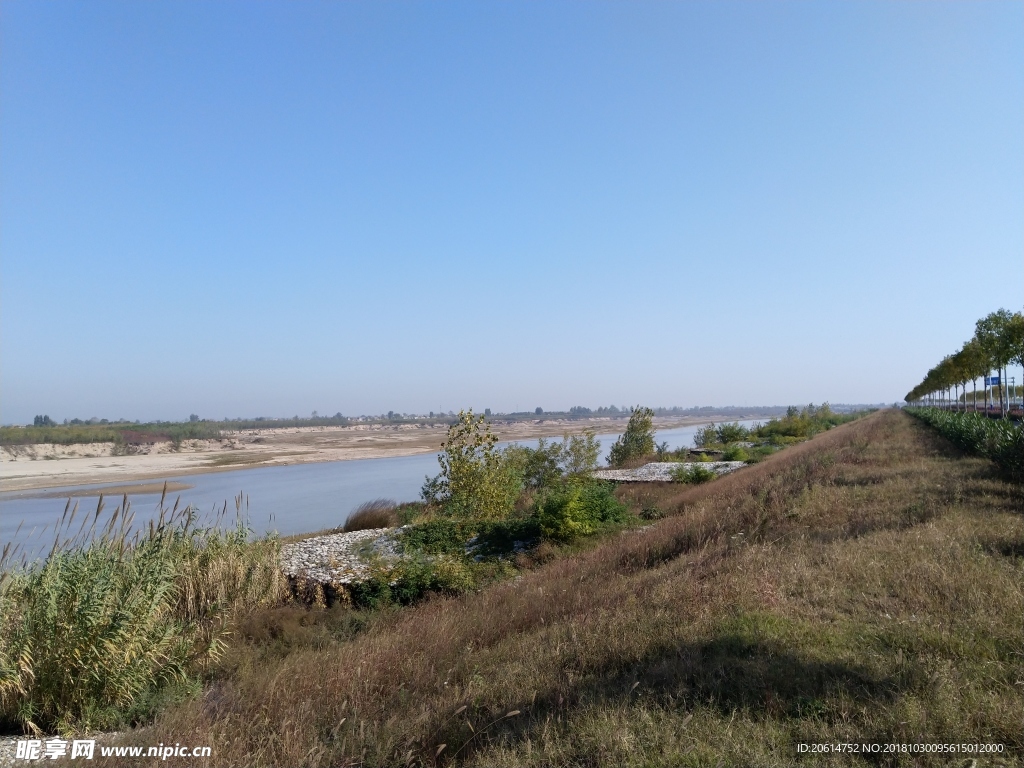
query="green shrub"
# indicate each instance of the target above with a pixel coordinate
(503, 536)
(692, 474)
(732, 433)
(577, 509)
(549, 463)
(410, 579)
(410, 511)
(436, 537)
(580, 453)
(539, 467)
(735, 453)
(651, 513)
(760, 452)
(451, 537)
(722, 434)
(800, 424)
(706, 436)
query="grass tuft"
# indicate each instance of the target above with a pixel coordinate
(379, 513)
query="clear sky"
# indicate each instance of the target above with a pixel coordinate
(240, 209)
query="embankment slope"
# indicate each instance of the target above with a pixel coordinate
(863, 586)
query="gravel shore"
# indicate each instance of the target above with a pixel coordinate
(661, 471)
(338, 558)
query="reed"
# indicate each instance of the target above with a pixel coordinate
(115, 614)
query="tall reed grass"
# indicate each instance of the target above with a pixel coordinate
(116, 614)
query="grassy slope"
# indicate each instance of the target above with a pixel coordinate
(866, 585)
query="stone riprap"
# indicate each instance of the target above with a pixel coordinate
(337, 558)
(661, 471)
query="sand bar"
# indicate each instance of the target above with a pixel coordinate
(56, 466)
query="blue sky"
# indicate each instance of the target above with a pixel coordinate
(240, 209)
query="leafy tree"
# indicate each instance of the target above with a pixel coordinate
(476, 480)
(539, 467)
(705, 436)
(43, 421)
(638, 439)
(580, 453)
(538, 410)
(993, 334)
(1015, 338)
(975, 364)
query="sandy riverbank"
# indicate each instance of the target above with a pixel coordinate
(55, 466)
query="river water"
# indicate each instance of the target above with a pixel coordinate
(290, 499)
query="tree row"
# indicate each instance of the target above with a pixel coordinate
(998, 342)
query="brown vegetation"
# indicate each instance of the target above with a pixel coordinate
(862, 586)
(379, 513)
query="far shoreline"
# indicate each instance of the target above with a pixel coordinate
(267, 448)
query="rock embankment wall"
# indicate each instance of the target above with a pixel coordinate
(321, 569)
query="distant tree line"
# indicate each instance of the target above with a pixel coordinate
(998, 342)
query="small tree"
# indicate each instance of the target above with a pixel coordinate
(706, 436)
(476, 481)
(638, 439)
(580, 452)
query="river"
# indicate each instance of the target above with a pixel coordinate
(297, 498)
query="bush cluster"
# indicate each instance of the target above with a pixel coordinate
(577, 509)
(487, 504)
(721, 434)
(410, 579)
(800, 424)
(693, 474)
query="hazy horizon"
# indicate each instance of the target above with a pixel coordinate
(276, 208)
(622, 411)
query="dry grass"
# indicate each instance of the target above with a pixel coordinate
(379, 513)
(865, 585)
